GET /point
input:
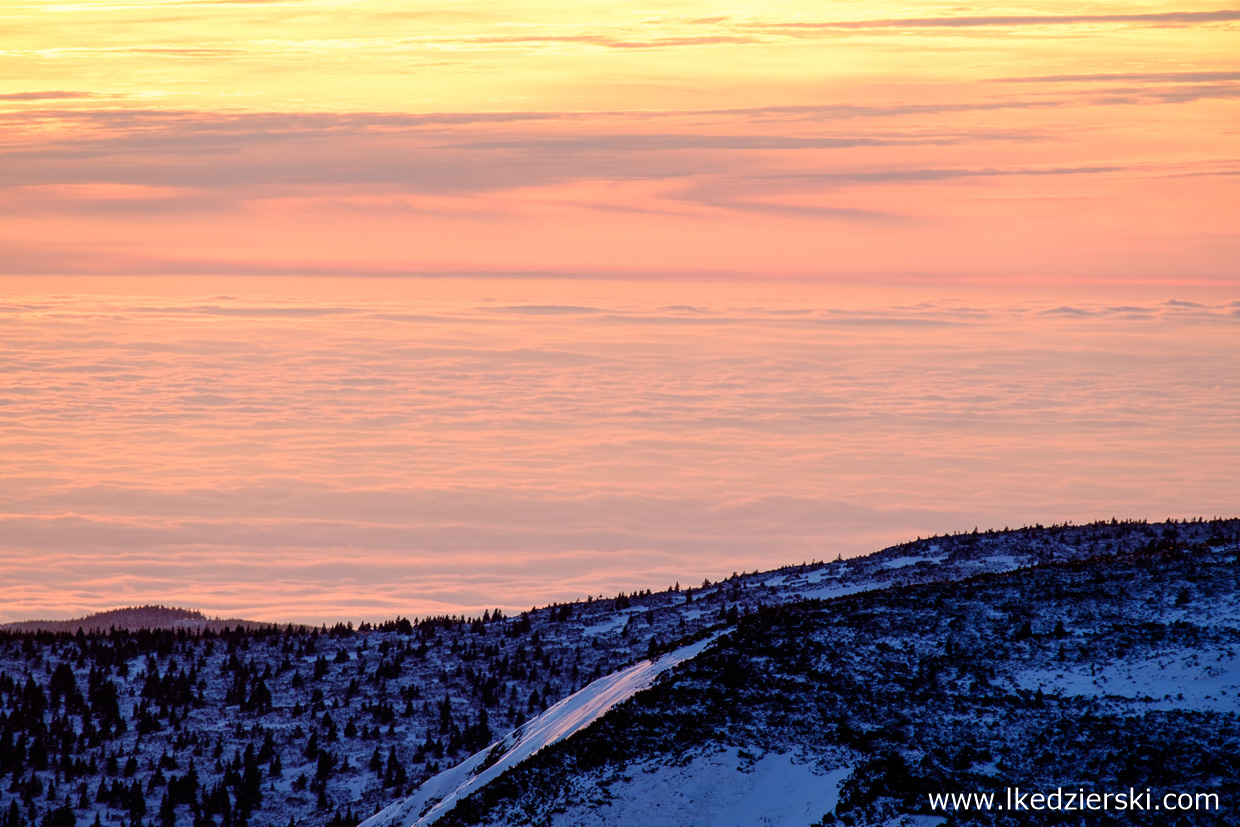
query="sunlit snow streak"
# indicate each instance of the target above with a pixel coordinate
(574, 713)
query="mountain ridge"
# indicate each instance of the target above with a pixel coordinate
(577, 780)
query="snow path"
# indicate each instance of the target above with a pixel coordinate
(440, 793)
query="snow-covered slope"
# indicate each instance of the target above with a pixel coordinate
(1102, 672)
(722, 789)
(441, 793)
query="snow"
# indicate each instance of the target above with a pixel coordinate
(830, 590)
(440, 793)
(1180, 679)
(614, 623)
(901, 562)
(1004, 561)
(719, 790)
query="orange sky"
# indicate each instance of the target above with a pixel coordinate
(729, 286)
(923, 142)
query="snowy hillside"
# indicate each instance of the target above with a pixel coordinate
(269, 726)
(1103, 673)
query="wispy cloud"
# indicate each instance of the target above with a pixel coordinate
(899, 175)
(1130, 77)
(50, 95)
(189, 161)
(1176, 18)
(808, 211)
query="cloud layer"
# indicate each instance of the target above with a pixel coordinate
(332, 309)
(343, 457)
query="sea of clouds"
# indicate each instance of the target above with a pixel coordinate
(321, 458)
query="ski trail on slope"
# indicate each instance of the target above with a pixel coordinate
(440, 794)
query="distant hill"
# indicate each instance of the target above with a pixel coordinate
(133, 618)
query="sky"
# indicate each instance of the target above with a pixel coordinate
(326, 310)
